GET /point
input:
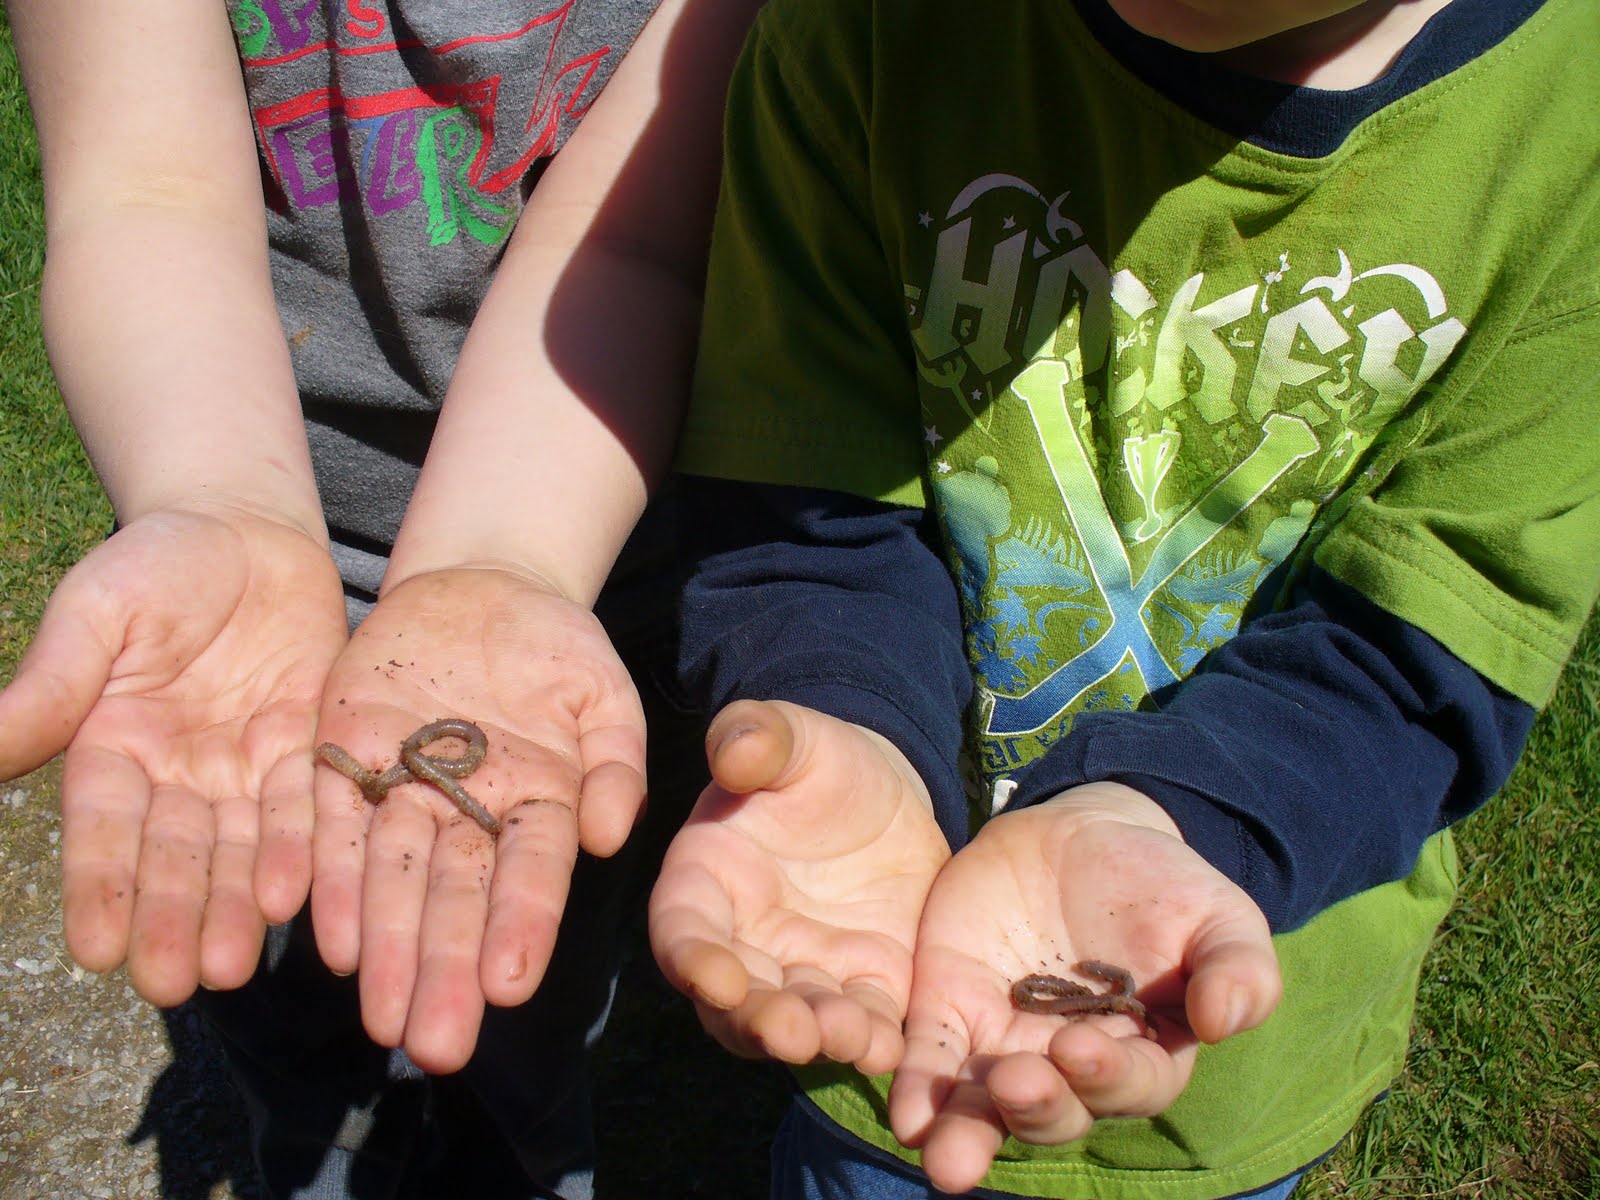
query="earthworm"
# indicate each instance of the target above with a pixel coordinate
(415, 766)
(1054, 995)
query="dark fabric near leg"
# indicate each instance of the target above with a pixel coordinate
(815, 1159)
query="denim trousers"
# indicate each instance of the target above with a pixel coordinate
(815, 1159)
(335, 1117)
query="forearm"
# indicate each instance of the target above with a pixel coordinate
(167, 349)
(567, 395)
(833, 602)
(558, 421)
(1309, 757)
(157, 301)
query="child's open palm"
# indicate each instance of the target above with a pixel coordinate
(1096, 875)
(180, 665)
(787, 905)
(439, 915)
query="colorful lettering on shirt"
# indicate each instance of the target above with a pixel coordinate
(437, 154)
(1165, 418)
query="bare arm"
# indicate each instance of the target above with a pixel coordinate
(562, 411)
(180, 663)
(158, 308)
(565, 402)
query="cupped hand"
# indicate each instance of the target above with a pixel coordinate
(787, 905)
(180, 664)
(438, 915)
(1099, 874)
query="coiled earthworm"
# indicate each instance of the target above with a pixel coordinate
(415, 766)
(1054, 995)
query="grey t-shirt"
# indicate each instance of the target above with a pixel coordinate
(398, 142)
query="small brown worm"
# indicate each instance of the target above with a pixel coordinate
(1053, 995)
(416, 766)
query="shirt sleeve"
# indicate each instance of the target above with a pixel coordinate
(1485, 531)
(805, 374)
(1307, 759)
(834, 602)
(1310, 756)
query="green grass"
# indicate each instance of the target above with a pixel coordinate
(1502, 1090)
(1501, 1097)
(51, 508)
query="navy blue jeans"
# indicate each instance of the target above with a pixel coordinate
(335, 1117)
(814, 1159)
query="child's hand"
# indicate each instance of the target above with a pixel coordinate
(183, 660)
(1097, 874)
(438, 915)
(788, 903)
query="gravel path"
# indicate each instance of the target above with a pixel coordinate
(101, 1095)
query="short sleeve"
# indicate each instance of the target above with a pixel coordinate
(805, 374)
(1486, 533)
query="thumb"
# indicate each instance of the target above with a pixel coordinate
(752, 745)
(1234, 982)
(62, 675)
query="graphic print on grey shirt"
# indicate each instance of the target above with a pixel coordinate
(398, 143)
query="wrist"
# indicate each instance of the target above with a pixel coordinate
(232, 506)
(568, 557)
(1107, 800)
(226, 502)
(437, 572)
(480, 573)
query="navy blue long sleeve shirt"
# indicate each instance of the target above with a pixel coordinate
(1308, 758)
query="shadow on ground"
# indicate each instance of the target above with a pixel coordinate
(195, 1119)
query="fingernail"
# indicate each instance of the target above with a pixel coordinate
(1082, 1068)
(718, 736)
(1238, 1011)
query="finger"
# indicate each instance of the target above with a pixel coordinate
(611, 749)
(886, 1042)
(609, 804)
(934, 1052)
(232, 928)
(1234, 982)
(707, 972)
(394, 892)
(533, 862)
(1117, 1076)
(170, 895)
(61, 676)
(780, 1024)
(338, 867)
(1034, 1101)
(751, 745)
(447, 1001)
(691, 934)
(843, 1027)
(771, 1022)
(727, 1033)
(854, 1026)
(104, 799)
(965, 1135)
(283, 861)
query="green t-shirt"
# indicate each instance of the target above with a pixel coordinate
(963, 258)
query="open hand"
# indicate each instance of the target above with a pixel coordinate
(180, 664)
(787, 905)
(438, 915)
(1097, 874)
